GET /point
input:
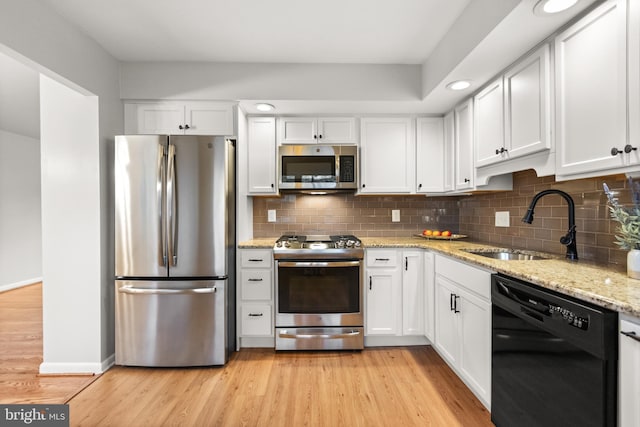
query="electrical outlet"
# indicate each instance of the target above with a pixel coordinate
(271, 215)
(395, 215)
(502, 219)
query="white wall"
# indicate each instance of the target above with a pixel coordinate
(20, 230)
(37, 36)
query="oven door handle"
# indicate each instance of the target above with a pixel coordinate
(284, 334)
(319, 264)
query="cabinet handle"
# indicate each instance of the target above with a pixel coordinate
(272, 186)
(180, 127)
(467, 180)
(419, 185)
(255, 280)
(631, 335)
(315, 136)
(370, 282)
(629, 148)
(615, 151)
(406, 263)
(451, 296)
(455, 303)
(255, 260)
(501, 150)
(255, 314)
(362, 185)
(320, 136)
(186, 126)
(382, 259)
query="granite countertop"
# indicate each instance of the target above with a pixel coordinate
(588, 282)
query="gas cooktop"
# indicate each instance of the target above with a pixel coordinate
(318, 247)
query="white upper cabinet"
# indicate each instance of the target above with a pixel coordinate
(387, 155)
(261, 154)
(590, 70)
(313, 130)
(180, 118)
(527, 105)
(463, 140)
(633, 157)
(433, 156)
(489, 124)
(512, 115)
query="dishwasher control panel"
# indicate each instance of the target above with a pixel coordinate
(570, 317)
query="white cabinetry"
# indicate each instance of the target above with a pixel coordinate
(463, 140)
(590, 71)
(634, 83)
(429, 296)
(412, 293)
(261, 154)
(629, 373)
(387, 155)
(255, 297)
(434, 156)
(312, 130)
(383, 292)
(180, 118)
(489, 124)
(463, 323)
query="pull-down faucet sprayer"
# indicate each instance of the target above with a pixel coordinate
(569, 240)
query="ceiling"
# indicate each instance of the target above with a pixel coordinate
(275, 31)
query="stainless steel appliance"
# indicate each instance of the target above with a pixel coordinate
(319, 293)
(174, 250)
(318, 167)
(554, 359)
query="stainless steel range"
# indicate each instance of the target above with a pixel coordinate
(319, 293)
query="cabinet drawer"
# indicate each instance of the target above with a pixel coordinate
(382, 258)
(255, 284)
(474, 279)
(256, 320)
(256, 258)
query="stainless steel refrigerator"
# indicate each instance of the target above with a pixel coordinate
(174, 250)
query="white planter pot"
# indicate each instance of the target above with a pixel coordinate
(633, 264)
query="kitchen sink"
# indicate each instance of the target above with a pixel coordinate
(507, 254)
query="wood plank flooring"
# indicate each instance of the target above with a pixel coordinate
(400, 386)
(21, 352)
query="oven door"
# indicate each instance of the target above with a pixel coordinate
(319, 293)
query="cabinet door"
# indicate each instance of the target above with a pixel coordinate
(159, 119)
(634, 80)
(297, 130)
(431, 156)
(474, 319)
(337, 130)
(488, 113)
(449, 152)
(256, 320)
(209, 118)
(387, 155)
(527, 101)
(261, 154)
(412, 293)
(463, 138)
(590, 69)
(446, 327)
(429, 296)
(629, 386)
(383, 301)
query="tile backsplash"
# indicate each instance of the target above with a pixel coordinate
(370, 216)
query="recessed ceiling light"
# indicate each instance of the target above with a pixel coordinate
(459, 85)
(265, 107)
(549, 7)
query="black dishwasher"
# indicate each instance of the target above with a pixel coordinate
(554, 358)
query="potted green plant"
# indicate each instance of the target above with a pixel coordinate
(628, 229)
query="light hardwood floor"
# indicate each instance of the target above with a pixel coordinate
(401, 386)
(21, 352)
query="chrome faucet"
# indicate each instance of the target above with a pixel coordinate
(569, 240)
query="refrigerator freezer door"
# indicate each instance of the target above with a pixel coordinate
(140, 166)
(197, 194)
(170, 323)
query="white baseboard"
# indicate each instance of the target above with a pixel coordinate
(20, 284)
(393, 341)
(108, 363)
(71, 368)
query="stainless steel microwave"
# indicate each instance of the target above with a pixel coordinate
(318, 167)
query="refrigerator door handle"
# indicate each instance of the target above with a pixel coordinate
(147, 291)
(161, 189)
(172, 205)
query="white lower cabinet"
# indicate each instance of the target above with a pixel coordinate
(255, 297)
(463, 323)
(394, 293)
(629, 373)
